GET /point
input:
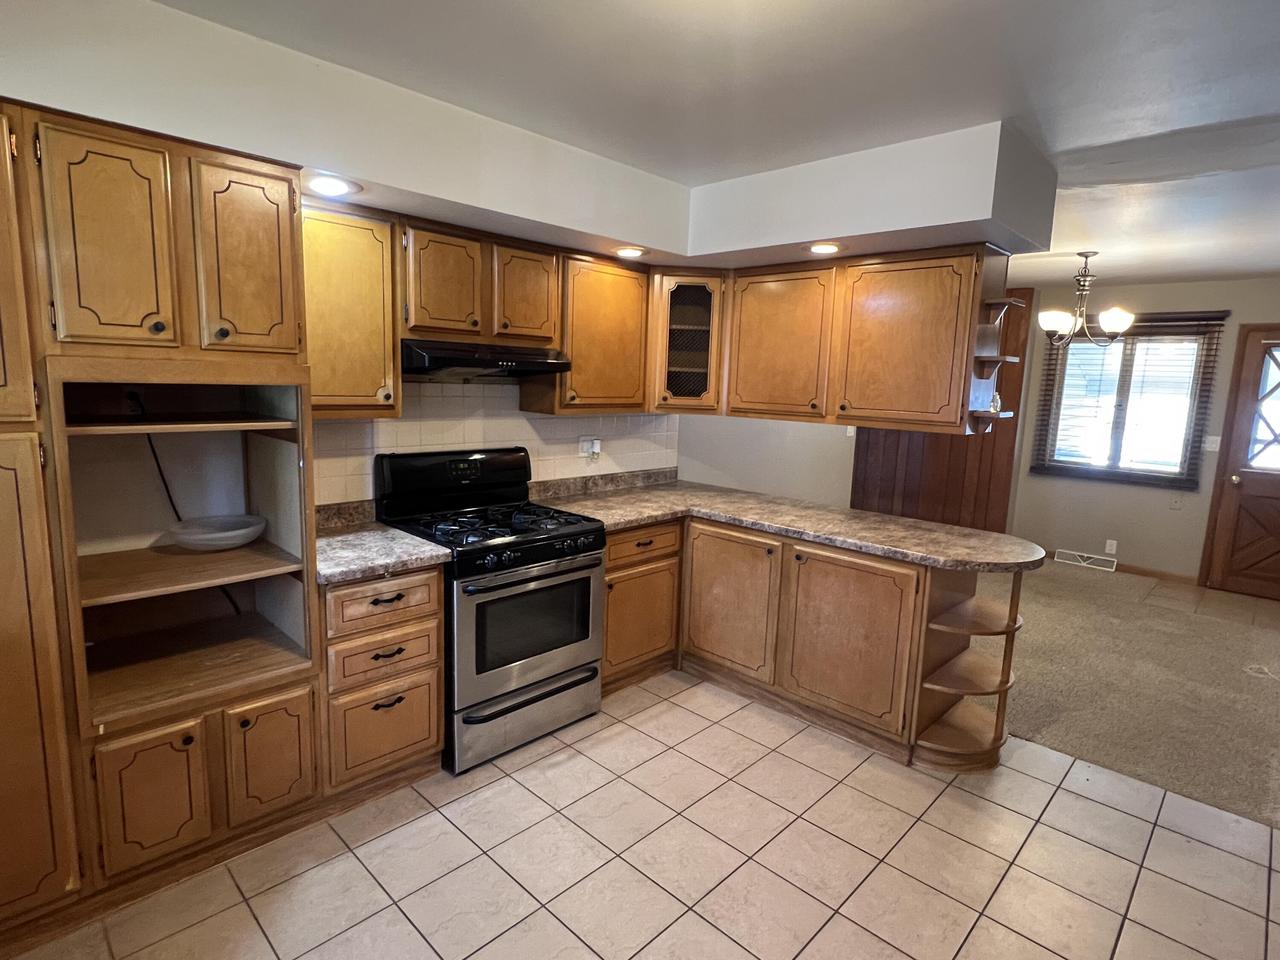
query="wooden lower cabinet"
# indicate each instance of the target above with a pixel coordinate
(270, 754)
(731, 586)
(641, 617)
(845, 631)
(153, 794)
(377, 727)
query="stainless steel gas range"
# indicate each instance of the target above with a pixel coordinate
(525, 592)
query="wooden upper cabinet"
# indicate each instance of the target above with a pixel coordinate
(270, 746)
(604, 336)
(37, 852)
(781, 343)
(844, 636)
(351, 334)
(641, 614)
(153, 794)
(110, 232)
(17, 401)
(446, 283)
(906, 341)
(731, 595)
(526, 294)
(687, 346)
(244, 230)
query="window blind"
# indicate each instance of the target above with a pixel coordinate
(1135, 411)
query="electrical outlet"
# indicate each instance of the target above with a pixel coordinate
(1110, 548)
(589, 448)
(1211, 444)
(1175, 503)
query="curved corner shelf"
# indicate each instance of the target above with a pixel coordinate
(969, 674)
(977, 617)
(968, 728)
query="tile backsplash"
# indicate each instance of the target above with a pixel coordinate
(448, 416)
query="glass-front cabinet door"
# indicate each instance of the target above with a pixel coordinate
(689, 347)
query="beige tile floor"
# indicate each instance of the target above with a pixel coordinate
(687, 823)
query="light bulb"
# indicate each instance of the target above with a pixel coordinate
(1056, 322)
(1115, 320)
(630, 252)
(824, 248)
(330, 186)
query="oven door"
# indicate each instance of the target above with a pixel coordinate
(518, 627)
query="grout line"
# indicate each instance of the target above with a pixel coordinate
(1138, 879)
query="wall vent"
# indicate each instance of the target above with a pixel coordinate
(1085, 560)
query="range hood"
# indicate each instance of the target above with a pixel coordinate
(447, 360)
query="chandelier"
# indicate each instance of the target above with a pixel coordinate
(1061, 326)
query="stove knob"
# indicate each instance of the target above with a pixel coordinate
(490, 561)
(509, 557)
(584, 542)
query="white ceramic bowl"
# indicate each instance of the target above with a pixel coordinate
(218, 533)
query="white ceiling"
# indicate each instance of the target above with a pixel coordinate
(1146, 106)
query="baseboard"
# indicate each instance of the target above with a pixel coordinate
(1158, 574)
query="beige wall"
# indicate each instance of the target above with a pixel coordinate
(1157, 529)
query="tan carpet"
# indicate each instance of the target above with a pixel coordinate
(1185, 701)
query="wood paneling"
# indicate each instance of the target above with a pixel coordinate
(731, 597)
(905, 341)
(244, 258)
(446, 280)
(526, 294)
(379, 656)
(381, 603)
(641, 620)
(377, 727)
(964, 480)
(153, 794)
(16, 397)
(845, 632)
(781, 343)
(351, 327)
(110, 236)
(604, 336)
(270, 754)
(37, 853)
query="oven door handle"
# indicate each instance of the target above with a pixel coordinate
(590, 674)
(473, 589)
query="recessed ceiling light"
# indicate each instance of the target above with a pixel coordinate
(328, 185)
(630, 252)
(824, 248)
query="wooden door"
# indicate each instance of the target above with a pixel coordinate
(110, 234)
(153, 794)
(687, 342)
(905, 341)
(446, 277)
(270, 746)
(16, 397)
(1243, 552)
(244, 258)
(781, 343)
(37, 852)
(526, 294)
(731, 594)
(351, 332)
(844, 634)
(640, 617)
(604, 336)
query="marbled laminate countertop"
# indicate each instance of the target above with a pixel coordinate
(374, 550)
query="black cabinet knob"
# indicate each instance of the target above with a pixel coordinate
(506, 325)
(844, 406)
(244, 724)
(474, 322)
(188, 740)
(159, 327)
(386, 396)
(813, 406)
(222, 333)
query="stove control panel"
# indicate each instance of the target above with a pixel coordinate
(491, 557)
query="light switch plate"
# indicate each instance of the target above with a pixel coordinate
(1211, 444)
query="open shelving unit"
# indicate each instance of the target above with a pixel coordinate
(988, 358)
(156, 571)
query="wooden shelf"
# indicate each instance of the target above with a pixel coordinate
(967, 728)
(214, 423)
(991, 414)
(993, 359)
(156, 571)
(1004, 302)
(976, 617)
(166, 670)
(688, 326)
(970, 674)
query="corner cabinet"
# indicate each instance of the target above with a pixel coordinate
(687, 326)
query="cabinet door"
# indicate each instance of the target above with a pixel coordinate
(446, 276)
(351, 333)
(16, 398)
(731, 595)
(244, 258)
(604, 336)
(110, 236)
(375, 728)
(640, 617)
(781, 343)
(37, 852)
(844, 636)
(906, 341)
(687, 339)
(526, 294)
(153, 794)
(270, 754)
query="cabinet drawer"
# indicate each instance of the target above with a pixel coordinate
(643, 543)
(381, 603)
(376, 727)
(379, 656)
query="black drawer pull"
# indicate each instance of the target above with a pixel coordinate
(644, 543)
(388, 656)
(379, 601)
(387, 706)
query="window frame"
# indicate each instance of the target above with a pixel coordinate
(1207, 329)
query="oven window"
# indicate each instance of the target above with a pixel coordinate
(515, 628)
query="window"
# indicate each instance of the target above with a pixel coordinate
(1134, 411)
